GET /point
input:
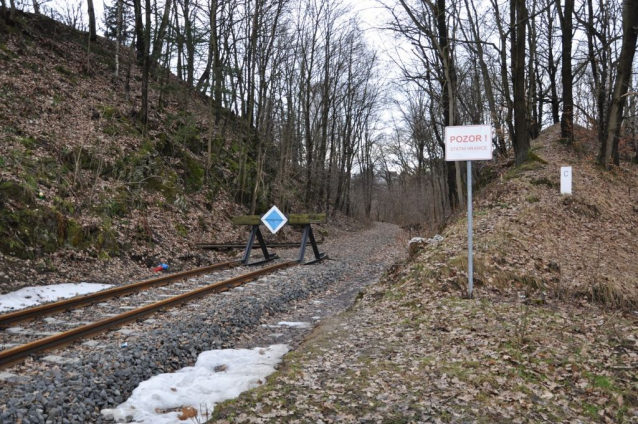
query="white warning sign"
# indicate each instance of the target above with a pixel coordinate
(468, 142)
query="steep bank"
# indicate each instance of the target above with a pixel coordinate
(84, 193)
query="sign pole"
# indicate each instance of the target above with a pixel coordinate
(470, 261)
(465, 144)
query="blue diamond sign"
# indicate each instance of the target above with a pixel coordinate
(274, 219)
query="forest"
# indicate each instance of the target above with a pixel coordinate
(328, 126)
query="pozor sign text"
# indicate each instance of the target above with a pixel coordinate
(469, 142)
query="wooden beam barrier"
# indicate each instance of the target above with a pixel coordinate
(306, 220)
(293, 219)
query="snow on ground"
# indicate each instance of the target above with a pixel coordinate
(32, 296)
(217, 375)
(295, 324)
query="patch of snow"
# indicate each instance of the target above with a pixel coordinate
(8, 345)
(434, 240)
(218, 375)
(7, 376)
(60, 360)
(32, 296)
(295, 324)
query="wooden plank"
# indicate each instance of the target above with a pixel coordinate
(307, 218)
(225, 246)
(293, 219)
(247, 220)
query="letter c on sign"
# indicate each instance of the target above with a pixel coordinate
(566, 173)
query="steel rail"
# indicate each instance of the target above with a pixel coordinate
(77, 302)
(17, 354)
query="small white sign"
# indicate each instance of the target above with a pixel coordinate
(566, 180)
(274, 219)
(468, 142)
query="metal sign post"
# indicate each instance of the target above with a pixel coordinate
(470, 256)
(468, 143)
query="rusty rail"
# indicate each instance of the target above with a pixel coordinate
(77, 302)
(19, 353)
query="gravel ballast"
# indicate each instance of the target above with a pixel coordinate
(102, 374)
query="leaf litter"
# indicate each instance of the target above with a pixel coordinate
(550, 335)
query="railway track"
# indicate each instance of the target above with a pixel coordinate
(77, 302)
(143, 299)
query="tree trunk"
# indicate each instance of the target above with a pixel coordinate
(217, 65)
(92, 29)
(521, 131)
(12, 14)
(118, 37)
(146, 66)
(159, 37)
(139, 31)
(190, 44)
(609, 149)
(597, 56)
(567, 118)
(552, 68)
(532, 90)
(180, 46)
(36, 7)
(88, 57)
(127, 85)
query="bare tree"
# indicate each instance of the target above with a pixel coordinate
(609, 149)
(160, 35)
(518, 18)
(118, 37)
(92, 28)
(566, 24)
(477, 46)
(146, 67)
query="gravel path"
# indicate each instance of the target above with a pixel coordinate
(101, 373)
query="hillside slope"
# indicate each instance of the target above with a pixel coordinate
(82, 191)
(528, 235)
